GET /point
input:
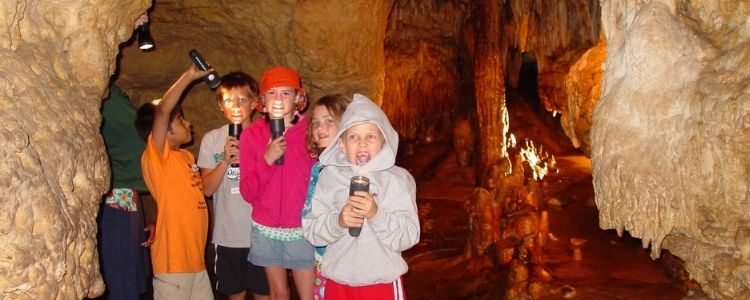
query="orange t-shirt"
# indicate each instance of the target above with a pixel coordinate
(182, 219)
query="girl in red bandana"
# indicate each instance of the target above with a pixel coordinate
(274, 174)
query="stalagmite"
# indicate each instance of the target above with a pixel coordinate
(489, 87)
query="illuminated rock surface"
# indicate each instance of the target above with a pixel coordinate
(666, 82)
(670, 134)
(55, 61)
(611, 267)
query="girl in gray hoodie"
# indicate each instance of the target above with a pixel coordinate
(370, 265)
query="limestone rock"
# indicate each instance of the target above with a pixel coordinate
(427, 74)
(337, 47)
(55, 62)
(564, 38)
(671, 134)
(669, 137)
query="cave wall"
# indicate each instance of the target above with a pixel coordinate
(337, 47)
(671, 134)
(430, 52)
(669, 139)
(565, 38)
(55, 61)
(427, 75)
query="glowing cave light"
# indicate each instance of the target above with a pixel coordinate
(511, 141)
(539, 161)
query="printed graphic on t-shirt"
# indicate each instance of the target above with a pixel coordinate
(195, 176)
(218, 157)
(233, 173)
(195, 181)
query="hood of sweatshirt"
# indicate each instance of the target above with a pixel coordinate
(363, 110)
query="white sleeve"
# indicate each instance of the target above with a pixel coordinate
(208, 153)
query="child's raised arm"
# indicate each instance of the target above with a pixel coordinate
(168, 102)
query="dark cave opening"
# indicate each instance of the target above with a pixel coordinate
(528, 85)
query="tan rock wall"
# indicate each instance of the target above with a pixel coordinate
(337, 47)
(582, 89)
(671, 134)
(55, 62)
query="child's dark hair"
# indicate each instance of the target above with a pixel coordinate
(144, 120)
(336, 105)
(237, 79)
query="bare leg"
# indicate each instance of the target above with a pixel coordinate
(261, 297)
(238, 296)
(278, 283)
(303, 281)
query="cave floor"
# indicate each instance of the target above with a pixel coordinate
(612, 267)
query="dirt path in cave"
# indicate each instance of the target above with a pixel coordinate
(612, 267)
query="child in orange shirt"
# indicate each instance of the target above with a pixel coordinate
(175, 183)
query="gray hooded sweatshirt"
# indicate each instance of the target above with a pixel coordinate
(374, 256)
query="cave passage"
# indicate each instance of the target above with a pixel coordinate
(528, 86)
(610, 267)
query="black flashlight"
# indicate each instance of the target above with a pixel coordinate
(235, 129)
(277, 130)
(358, 184)
(145, 41)
(213, 80)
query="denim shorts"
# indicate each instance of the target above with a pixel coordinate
(266, 252)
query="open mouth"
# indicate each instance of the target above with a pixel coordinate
(363, 158)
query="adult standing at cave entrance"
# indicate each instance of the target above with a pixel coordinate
(125, 262)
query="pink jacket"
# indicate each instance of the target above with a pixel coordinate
(276, 192)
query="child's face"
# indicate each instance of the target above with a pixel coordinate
(179, 133)
(236, 104)
(279, 101)
(324, 126)
(361, 143)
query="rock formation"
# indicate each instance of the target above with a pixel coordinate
(671, 134)
(337, 47)
(428, 84)
(55, 62)
(656, 92)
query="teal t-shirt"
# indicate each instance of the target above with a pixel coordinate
(124, 145)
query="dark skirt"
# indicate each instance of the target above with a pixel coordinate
(125, 264)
